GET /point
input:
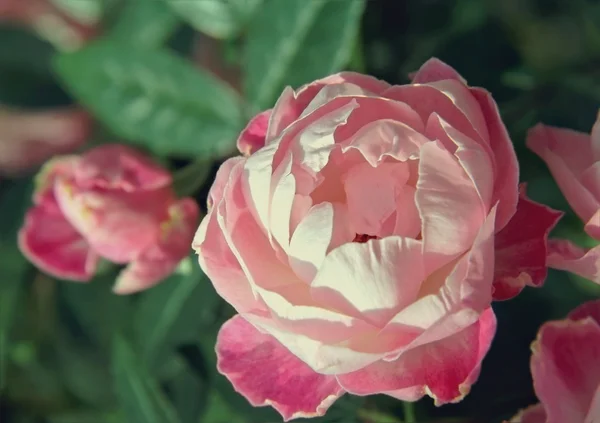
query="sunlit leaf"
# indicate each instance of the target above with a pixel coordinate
(175, 311)
(140, 396)
(154, 98)
(217, 18)
(294, 42)
(145, 23)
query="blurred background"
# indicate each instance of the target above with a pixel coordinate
(109, 60)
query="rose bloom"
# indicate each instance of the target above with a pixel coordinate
(362, 239)
(114, 203)
(565, 367)
(574, 161)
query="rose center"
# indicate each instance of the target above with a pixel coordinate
(362, 238)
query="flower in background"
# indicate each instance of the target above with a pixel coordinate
(362, 239)
(27, 138)
(574, 161)
(111, 202)
(565, 366)
(53, 21)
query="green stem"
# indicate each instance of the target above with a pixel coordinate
(409, 412)
(374, 416)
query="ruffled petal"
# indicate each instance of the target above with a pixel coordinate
(448, 202)
(532, 414)
(522, 247)
(435, 70)
(117, 166)
(444, 370)
(565, 152)
(50, 242)
(565, 368)
(506, 192)
(564, 255)
(253, 136)
(266, 373)
(160, 260)
(375, 279)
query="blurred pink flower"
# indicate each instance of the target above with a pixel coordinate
(565, 366)
(358, 240)
(27, 139)
(111, 202)
(574, 161)
(50, 20)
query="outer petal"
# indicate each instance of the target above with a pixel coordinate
(116, 166)
(118, 226)
(566, 153)
(290, 105)
(266, 373)
(450, 207)
(444, 370)
(159, 260)
(53, 245)
(253, 136)
(532, 414)
(435, 70)
(565, 255)
(565, 368)
(507, 168)
(522, 247)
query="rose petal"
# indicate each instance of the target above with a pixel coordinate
(53, 245)
(532, 414)
(522, 247)
(566, 153)
(266, 373)
(435, 70)
(504, 156)
(449, 205)
(159, 260)
(473, 158)
(564, 255)
(386, 138)
(375, 279)
(253, 136)
(118, 226)
(444, 370)
(117, 166)
(325, 226)
(365, 186)
(565, 368)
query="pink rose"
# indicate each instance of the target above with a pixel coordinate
(357, 241)
(565, 367)
(574, 161)
(114, 203)
(27, 138)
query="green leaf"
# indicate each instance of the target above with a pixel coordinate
(217, 18)
(294, 42)
(174, 312)
(219, 411)
(85, 417)
(145, 23)
(79, 363)
(86, 305)
(187, 391)
(154, 98)
(140, 396)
